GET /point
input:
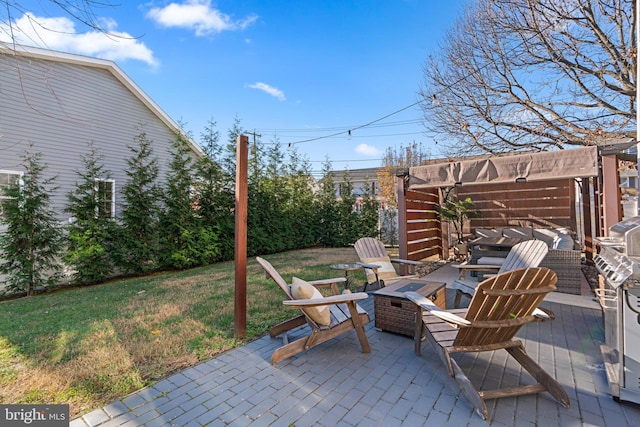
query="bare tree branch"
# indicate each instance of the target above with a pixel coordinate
(81, 11)
(534, 74)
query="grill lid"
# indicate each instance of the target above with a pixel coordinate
(615, 267)
(625, 236)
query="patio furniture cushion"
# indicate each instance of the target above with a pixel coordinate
(547, 235)
(483, 232)
(524, 233)
(305, 290)
(564, 241)
(385, 271)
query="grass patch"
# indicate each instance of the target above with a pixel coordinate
(88, 346)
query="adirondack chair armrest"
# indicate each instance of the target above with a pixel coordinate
(464, 268)
(411, 264)
(369, 266)
(431, 307)
(327, 282)
(476, 266)
(330, 300)
(406, 261)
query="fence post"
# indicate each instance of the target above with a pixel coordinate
(402, 220)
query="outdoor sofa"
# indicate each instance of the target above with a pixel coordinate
(564, 256)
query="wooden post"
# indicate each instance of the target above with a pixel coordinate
(611, 208)
(240, 307)
(588, 228)
(402, 221)
(444, 225)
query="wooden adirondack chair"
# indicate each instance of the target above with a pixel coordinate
(346, 315)
(527, 254)
(498, 309)
(377, 264)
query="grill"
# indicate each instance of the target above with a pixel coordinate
(618, 265)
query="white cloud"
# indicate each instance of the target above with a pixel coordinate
(60, 34)
(276, 93)
(368, 150)
(199, 16)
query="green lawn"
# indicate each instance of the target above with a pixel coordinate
(87, 346)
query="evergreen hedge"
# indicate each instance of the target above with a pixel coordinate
(189, 221)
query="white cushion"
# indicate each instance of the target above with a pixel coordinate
(524, 233)
(483, 232)
(565, 241)
(305, 290)
(546, 235)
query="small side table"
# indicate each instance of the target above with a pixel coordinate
(346, 268)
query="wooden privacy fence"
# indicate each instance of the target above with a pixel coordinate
(541, 204)
(418, 222)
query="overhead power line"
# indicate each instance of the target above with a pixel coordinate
(337, 128)
(349, 131)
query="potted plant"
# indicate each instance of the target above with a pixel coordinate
(457, 212)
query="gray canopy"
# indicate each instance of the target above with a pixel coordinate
(540, 166)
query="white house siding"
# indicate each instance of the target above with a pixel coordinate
(60, 103)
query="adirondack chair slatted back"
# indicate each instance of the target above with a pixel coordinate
(529, 253)
(368, 247)
(499, 303)
(273, 273)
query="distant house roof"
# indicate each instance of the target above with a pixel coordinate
(110, 66)
(356, 175)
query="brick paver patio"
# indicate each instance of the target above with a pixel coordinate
(334, 384)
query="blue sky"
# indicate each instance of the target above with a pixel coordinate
(292, 70)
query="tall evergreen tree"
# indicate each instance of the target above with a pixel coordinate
(215, 201)
(348, 218)
(369, 216)
(184, 242)
(327, 212)
(92, 225)
(32, 244)
(301, 204)
(138, 240)
(229, 154)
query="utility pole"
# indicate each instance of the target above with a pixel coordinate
(254, 151)
(254, 134)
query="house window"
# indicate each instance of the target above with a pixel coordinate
(7, 179)
(106, 195)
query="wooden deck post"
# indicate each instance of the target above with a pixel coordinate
(402, 220)
(611, 208)
(587, 226)
(240, 301)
